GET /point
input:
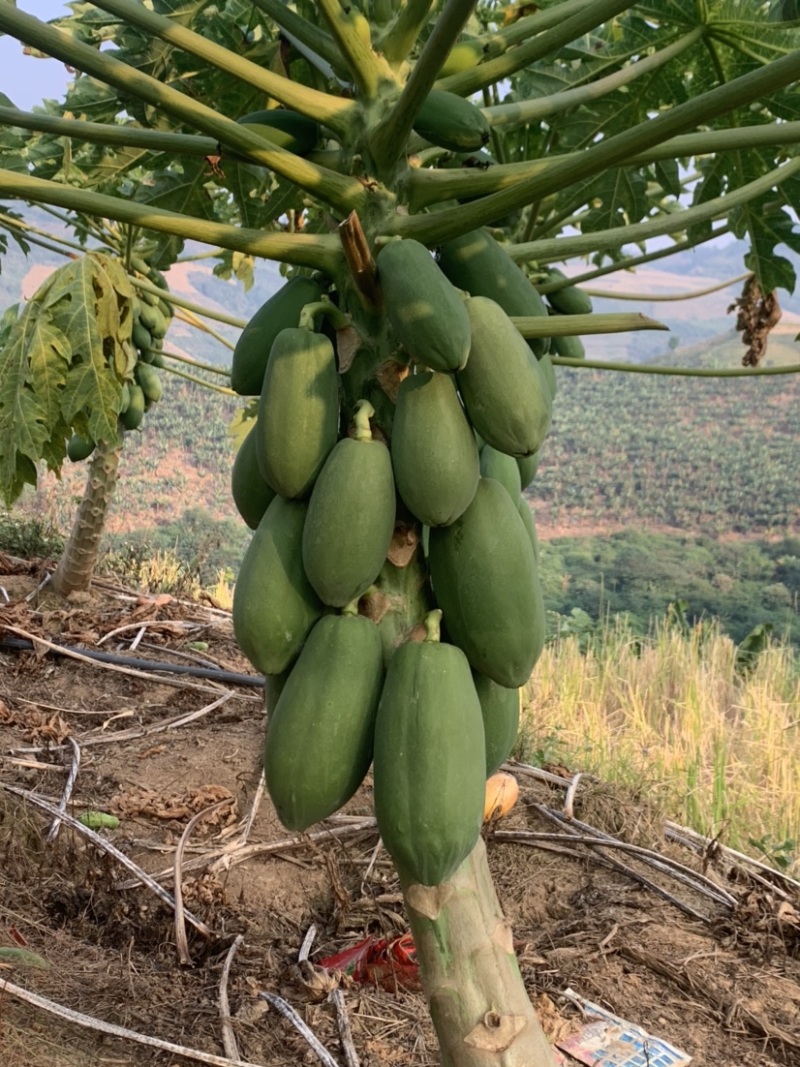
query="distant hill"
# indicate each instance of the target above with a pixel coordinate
(689, 321)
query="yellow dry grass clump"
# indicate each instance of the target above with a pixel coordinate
(670, 716)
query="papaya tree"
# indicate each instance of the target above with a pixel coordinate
(419, 169)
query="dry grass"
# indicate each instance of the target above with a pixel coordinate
(670, 715)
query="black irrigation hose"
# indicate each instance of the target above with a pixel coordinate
(22, 644)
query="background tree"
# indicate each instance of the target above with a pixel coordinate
(609, 123)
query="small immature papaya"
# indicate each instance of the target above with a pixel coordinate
(426, 312)
(282, 310)
(434, 453)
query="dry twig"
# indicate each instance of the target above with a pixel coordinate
(181, 943)
(229, 1042)
(349, 1049)
(68, 787)
(232, 855)
(288, 1012)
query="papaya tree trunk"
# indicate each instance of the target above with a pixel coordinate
(477, 999)
(76, 566)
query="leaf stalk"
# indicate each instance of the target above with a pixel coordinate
(321, 251)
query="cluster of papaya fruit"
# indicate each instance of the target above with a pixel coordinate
(438, 713)
(152, 315)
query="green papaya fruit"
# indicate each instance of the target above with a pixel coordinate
(503, 469)
(287, 129)
(149, 315)
(150, 381)
(131, 417)
(570, 347)
(298, 411)
(426, 312)
(320, 734)
(274, 606)
(434, 454)
(501, 712)
(528, 466)
(251, 494)
(351, 517)
(273, 687)
(504, 392)
(452, 122)
(281, 311)
(485, 581)
(545, 365)
(159, 330)
(478, 264)
(570, 300)
(141, 336)
(430, 761)
(79, 448)
(525, 513)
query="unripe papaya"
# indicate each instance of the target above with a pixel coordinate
(79, 448)
(430, 762)
(131, 417)
(426, 312)
(503, 469)
(476, 263)
(570, 347)
(287, 129)
(501, 711)
(298, 411)
(434, 454)
(485, 581)
(282, 310)
(351, 517)
(159, 330)
(150, 381)
(503, 390)
(452, 122)
(570, 300)
(274, 606)
(320, 734)
(545, 365)
(149, 315)
(251, 494)
(528, 466)
(141, 336)
(525, 513)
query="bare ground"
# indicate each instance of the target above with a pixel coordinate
(720, 981)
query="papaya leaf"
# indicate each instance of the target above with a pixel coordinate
(62, 365)
(24, 433)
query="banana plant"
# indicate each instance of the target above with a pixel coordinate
(574, 130)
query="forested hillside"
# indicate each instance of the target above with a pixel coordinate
(690, 457)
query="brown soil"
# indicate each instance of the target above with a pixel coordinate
(723, 984)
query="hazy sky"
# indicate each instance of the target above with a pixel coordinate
(27, 81)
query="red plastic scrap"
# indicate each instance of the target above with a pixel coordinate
(378, 961)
